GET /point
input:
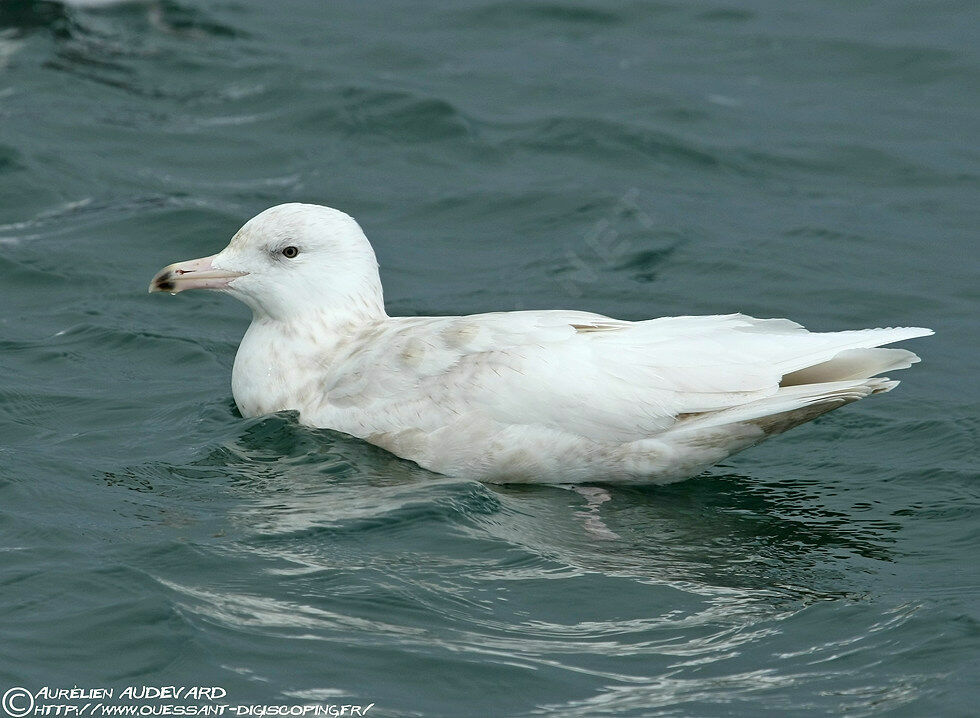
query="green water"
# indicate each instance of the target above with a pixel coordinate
(810, 160)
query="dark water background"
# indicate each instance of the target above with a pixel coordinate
(811, 160)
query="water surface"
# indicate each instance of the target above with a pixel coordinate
(816, 161)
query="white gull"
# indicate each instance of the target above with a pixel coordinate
(532, 396)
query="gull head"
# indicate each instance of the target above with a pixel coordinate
(287, 262)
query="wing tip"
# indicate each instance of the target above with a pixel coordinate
(910, 332)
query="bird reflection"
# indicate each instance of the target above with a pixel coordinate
(723, 531)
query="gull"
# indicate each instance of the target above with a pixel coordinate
(556, 396)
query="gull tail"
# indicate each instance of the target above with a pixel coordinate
(803, 395)
(827, 383)
(859, 356)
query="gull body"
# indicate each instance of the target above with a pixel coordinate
(532, 396)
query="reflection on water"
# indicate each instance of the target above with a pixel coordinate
(660, 610)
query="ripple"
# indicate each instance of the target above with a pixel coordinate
(608, 140)
(727, 14)
(9, 161)
(396, 115)
(110, 45)
(189, 21)
(520, 14)
(865, 163)
(273, 615)
(27, 17)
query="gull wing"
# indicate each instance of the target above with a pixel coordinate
(606, 380)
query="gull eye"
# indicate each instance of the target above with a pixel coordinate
(290, 252)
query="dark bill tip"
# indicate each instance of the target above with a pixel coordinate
(163, 282)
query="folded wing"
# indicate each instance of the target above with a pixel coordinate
(603, 379)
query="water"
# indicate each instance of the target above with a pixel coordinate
(816, 161)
